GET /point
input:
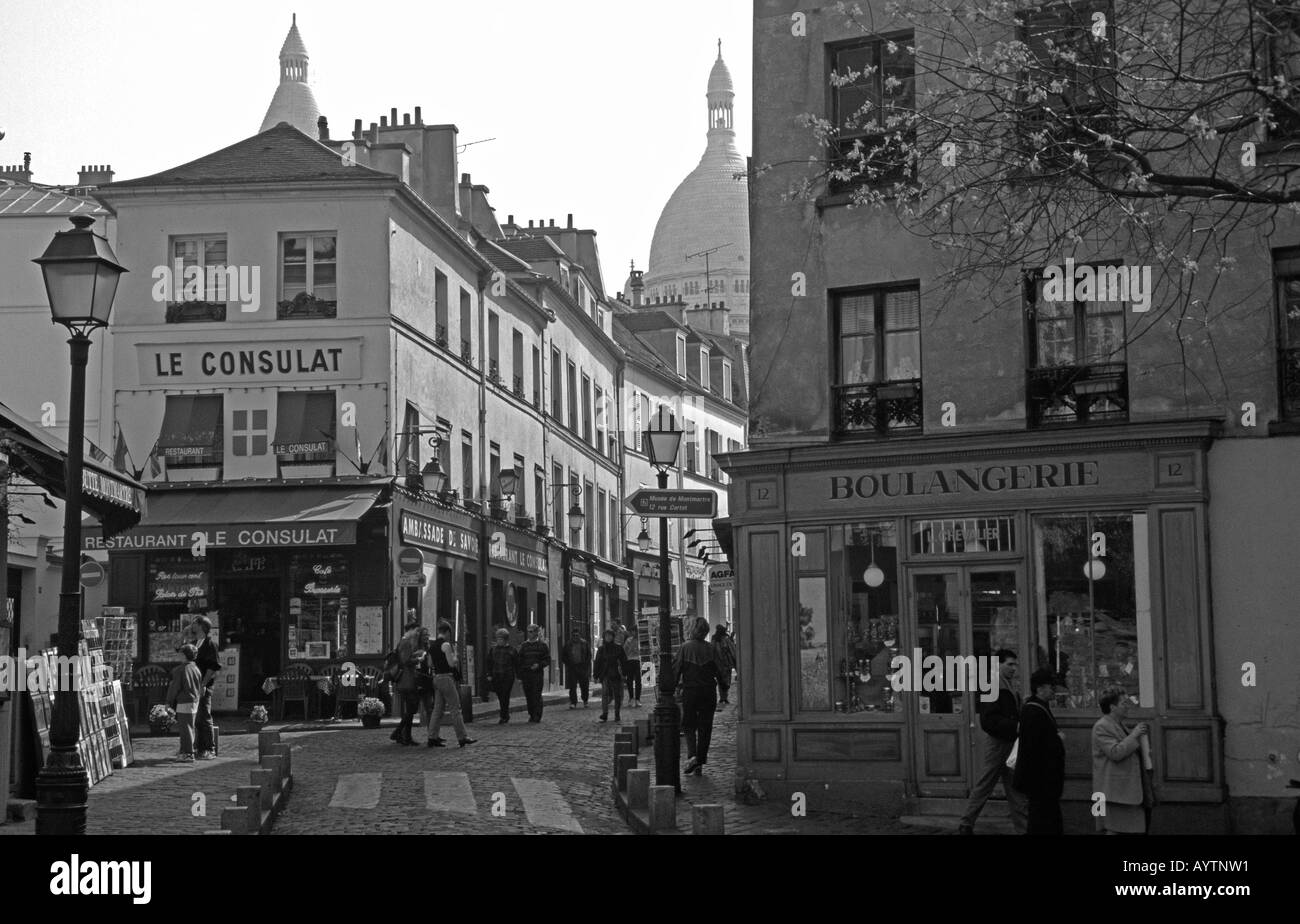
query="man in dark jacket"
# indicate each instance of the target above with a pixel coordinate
(577, 669)
(697, 674)
(503, 665)
(1001, 722)
(534, 658)
(611, 665)
(209, 665)
(1040, 763)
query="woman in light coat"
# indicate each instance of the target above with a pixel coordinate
(1118, 773)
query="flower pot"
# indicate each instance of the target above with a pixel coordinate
(370, 721)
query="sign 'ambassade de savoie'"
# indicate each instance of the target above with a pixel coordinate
(972, 479)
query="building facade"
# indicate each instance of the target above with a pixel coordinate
(919, 484)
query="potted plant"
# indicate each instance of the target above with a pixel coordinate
(370, 709)
(256, 719)
(161, 719)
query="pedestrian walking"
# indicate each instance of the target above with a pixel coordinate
(502, 667)
(696, 670)
(1119, 767)
(407, 645)
(725, 654)
(1000, 721)
(534, 658)
(183, 696)
(577, 669)
(632, 666)
(1040, 761)
(446, 696)
(411, 653)
(209, 664)
(610, 670)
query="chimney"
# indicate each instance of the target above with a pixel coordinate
(95, 175)
(374, 133)
(323, 128)
(383, 121)
(552, 222)
(419, 120)
(530, 223)
(570, 219)
(638, 287)
(393, 118)
(464, 179)
(510, 220)
(21, 173)
(356, 129)
(406, 118)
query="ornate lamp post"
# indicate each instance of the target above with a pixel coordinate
(662, 447)
(81, 275)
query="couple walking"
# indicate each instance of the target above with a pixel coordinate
(190, 693)
(427, 682)
(613, 673)
(528, 663)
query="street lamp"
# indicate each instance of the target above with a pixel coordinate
(643, 537)
(81, 275)
(662, 447)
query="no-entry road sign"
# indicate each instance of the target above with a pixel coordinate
(649, 502)
(410, 560)
(91, 574)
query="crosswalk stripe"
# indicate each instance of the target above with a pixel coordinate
(448, 792)
(357, 790)
(544, 805)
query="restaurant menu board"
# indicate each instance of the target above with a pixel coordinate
(177, 579)
(225, 689)
(370, 630)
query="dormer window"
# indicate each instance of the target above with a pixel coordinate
(704, 368)
(726, 380)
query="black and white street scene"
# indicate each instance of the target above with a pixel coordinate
(722, 418)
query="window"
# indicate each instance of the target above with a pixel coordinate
(1087, 615)
(1282, 40)
(305, 429)
(539, 495)
(873, 100)
(726, 380)
(704, 369)
(692, 448)
(494, 472)
(1070, 79)
(600, 420)
(320, 580)
(573, 396)
(494, 347)
(440, 308)
(467, 464)
(714, 438)
(308, 276)
(192, 433)
(517, 363)
(681, 355)
(1286, 274)
(557, 389)
(1077, 349)
(644, 422)
(409, 447)
(638, 421)
(444, 450)
(558, 495)
(521, 492)
(466, 327)
(615, 524)
(537, 377)
(593, 514)
(602, 536)
(586, 407)
(879, 362)
(248, 433)
(203, 298)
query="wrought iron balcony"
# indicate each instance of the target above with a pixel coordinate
(880, 408)
(1288, 363)
(466, 352)
(494, 372)
(440, 335)
(1077, 394)
(519, 386)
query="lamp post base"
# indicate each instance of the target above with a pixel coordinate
(61, 794)
(668, 770)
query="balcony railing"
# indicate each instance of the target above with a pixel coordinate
(440, 335)
(879, 408)
(1288, 363)
(494, 372)
(466, 352)
(519, 386)
(1077, 394)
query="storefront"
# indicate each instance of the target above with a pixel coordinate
(287, 574)
(1084, 552)
(518, 585)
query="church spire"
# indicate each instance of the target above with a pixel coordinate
(721, 96)
(293, 101)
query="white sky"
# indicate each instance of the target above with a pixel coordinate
(597, 107)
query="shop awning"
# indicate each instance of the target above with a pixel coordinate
(304, 423)
(251, 517)
(191, 426)
(115, 499)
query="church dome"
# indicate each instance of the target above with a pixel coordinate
(709, 211)
(293, 101)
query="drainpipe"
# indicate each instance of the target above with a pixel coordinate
(485, 598)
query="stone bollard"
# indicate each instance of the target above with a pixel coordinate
(644, 735)
(624, 740)
(622, 764)
(250, 797)
(663, 808)
(267, 784)
(638, 788)
(235, 819)
(707, 819)
(274, 762)
(282, 751)
(265, 740)
(631, 732)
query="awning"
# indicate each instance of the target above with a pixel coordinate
(304, 423)
(191, 426)
(249, 517)
(115, 499)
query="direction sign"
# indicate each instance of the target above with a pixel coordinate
(649, 502)
(410, 560)
(410, 579)
(91, 574)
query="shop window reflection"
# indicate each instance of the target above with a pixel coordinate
(318, 606)
(814, 644)
(1086, 606)
(871, 631)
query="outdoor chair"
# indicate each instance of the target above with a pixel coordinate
(149, 688)
(295, 686)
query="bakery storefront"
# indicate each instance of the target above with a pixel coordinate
(288, 573)
(1084, 552)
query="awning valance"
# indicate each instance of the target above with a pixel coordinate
(191, 426)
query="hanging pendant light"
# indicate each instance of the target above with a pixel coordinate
(1094, 569)
(873, 576)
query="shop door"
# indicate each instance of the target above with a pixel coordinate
(251, 619)
(957, 612)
